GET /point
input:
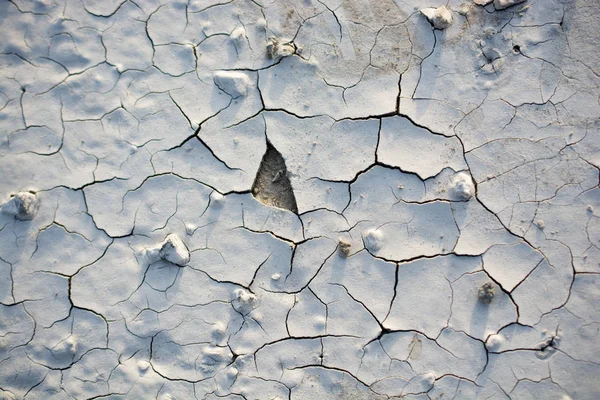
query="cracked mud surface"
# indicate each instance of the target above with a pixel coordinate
(442, 240)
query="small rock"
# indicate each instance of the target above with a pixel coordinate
(486, 293)
(440, 17)
(217, 198)
(502, 4)
(373, 239)
(24, 206)
(482, 2)
(344, 248)
(277, 48)
(494, 342)
(462, 187)
(276, 277)
(173, 250)
(429, 378)
(190, 229)
(540, 224)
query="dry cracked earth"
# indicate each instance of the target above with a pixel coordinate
(300, 199)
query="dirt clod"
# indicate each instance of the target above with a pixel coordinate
(486, 293)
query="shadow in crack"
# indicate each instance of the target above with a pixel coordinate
(272, 186)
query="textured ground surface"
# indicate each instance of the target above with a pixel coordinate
(137, 262)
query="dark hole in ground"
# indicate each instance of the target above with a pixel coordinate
(272, 186)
